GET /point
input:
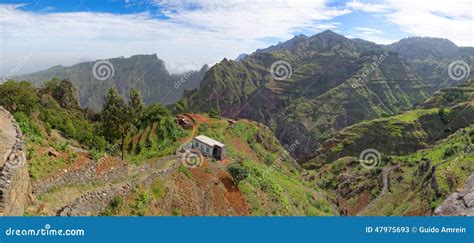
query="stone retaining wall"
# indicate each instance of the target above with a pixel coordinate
(88, 175)
(84, 175)
(93, 203)
(14, 177)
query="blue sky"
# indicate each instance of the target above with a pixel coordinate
(189, 33)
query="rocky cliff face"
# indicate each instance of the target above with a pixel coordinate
(460, 203)
(14, 179)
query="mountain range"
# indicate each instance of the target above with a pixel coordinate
(145, 72)
(331, 82)
(371, 130)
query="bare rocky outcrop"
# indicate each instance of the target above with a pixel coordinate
(459, 203)
(424, 179)
(14, 178)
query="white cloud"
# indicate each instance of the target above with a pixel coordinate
(368, 31)
(205, 31)
(448, 19)
(367, 7)
(371, 34)
(434, 18)
(190, 37)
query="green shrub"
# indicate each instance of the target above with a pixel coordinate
(139, 207)
(268, 160)
(176, 212)
(27, 127)
(30, 153)
(158, 189)
(63, 146)
(117, 201)
(114, 206)
(450, 151)
(214, 113)
(73, 155)
(48, 128)
(96, 155)
(138, 148)
(237, 172)
(185, 171)
(148, 143)
(130, 146)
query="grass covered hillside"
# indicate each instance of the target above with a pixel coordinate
(450, 96)
(427, 177)
(423, 156)
(75, 163)
(413, 184)
(267, 181)
(398, 135)
(431, 57)
(51, 119)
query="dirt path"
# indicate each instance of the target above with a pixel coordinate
(385, 177)
(7, 134)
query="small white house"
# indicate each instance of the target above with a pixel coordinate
(209, 147)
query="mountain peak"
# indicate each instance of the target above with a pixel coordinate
(328, 32)
(145, 56)
(329, 36)
(289, 44)
(204, 69)
(434, 40)
(424, 47)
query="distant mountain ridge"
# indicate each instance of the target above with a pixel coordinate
(145, 72)
(430, 58)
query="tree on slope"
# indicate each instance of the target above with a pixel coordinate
(118, 117)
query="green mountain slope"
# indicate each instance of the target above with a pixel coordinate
(398, 135)
(273, 186)
(412, 184)
(145, 72)
(431, 57)
(451, 95)
(420, 157)
(74, 171)
(335, 82)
